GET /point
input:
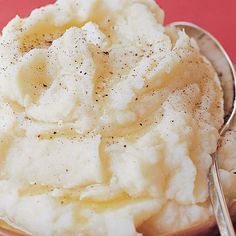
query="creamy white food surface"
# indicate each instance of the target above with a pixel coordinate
(107, 122)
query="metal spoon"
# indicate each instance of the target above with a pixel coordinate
(215, 53)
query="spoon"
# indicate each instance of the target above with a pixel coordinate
(215, 53)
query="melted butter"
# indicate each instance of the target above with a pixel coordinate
(43, 34)
(67, 133)
(115, 203)
(72, 196)
(33, 82)
(35, 189)
(4, 147)
(105, 161)
(14, 105)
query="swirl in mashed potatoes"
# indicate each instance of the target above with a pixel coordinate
(108, 120)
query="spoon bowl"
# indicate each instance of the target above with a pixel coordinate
(215, 53)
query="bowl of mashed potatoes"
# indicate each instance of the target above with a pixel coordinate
(108, 120)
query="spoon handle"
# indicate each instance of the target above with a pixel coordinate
(218, 201)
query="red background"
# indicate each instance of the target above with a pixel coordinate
(217, 16)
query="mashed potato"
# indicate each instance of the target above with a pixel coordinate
(108, 120)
